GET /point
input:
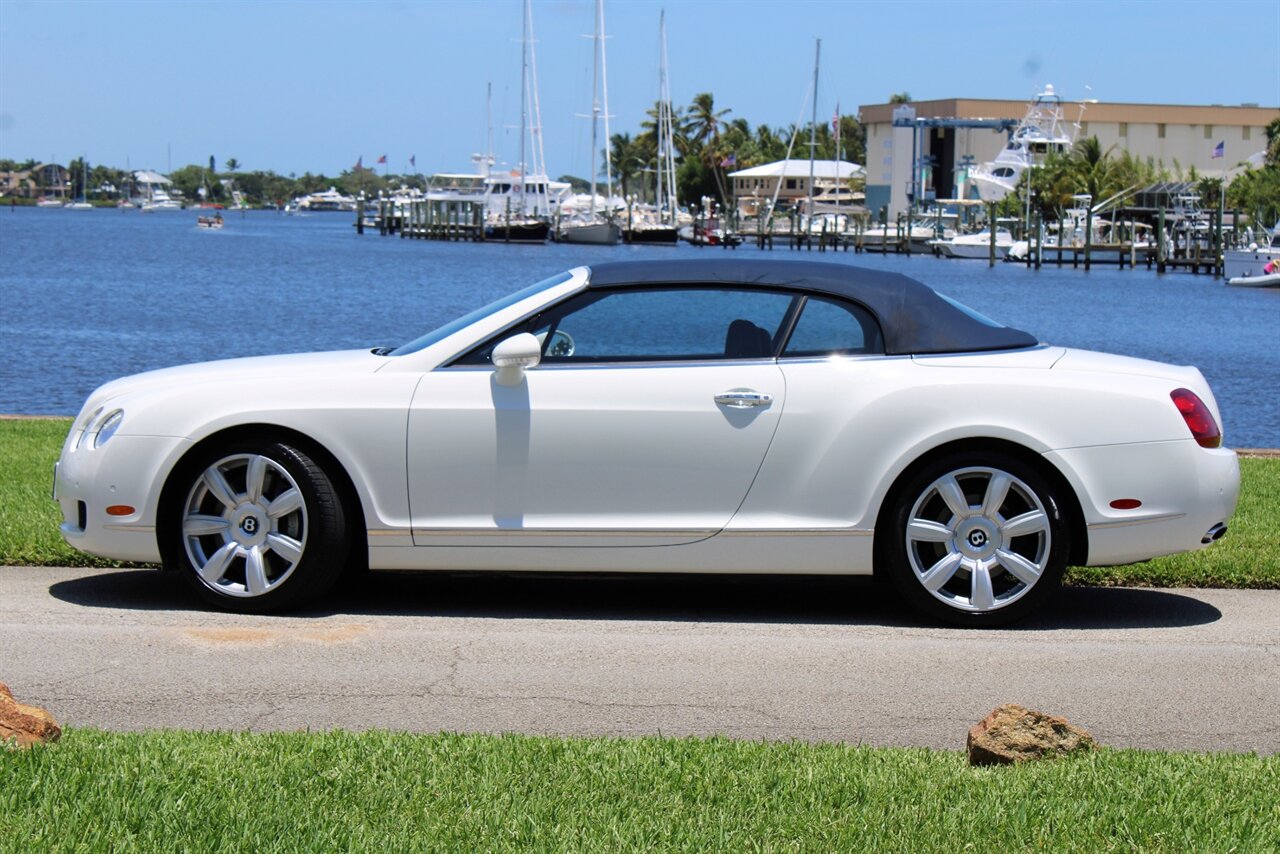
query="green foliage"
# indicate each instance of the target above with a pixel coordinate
(1257, 193)
(381, 791)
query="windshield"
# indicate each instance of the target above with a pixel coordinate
(448, 329)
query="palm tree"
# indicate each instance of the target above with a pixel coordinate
(232, 164)
(703, 129)
(626, 160)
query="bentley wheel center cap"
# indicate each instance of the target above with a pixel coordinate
(978, 539)
(249, 527)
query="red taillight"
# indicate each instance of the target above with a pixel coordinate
(1199, 420)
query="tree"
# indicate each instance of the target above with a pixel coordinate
(626, 159)
(900, 98)
(232, 165)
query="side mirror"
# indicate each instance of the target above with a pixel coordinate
(513, 355)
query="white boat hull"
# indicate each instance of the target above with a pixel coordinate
(1266, 280)
(595, 234)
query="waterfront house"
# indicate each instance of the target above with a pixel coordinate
(754, 188)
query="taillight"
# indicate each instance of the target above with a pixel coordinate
(1199, 420)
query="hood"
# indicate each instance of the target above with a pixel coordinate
(254, 367)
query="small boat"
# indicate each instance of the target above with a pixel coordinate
(595, 232)
(50, 203)
(974, 245)
(1254, 262)
(1266, 280)
(210, 222)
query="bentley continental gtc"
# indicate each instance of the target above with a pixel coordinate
(657, 417)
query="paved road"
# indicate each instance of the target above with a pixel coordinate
(817, 659)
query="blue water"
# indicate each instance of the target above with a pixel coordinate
(90, 296)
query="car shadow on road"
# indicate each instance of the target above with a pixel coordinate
(680, 598)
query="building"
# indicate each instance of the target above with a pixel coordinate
(754, 188)
(1213, 139)
(48, 180)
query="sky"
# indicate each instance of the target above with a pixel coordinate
(300, 87)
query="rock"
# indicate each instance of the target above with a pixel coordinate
(23, 726)
(1013, 733)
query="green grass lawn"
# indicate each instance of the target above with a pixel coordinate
(1249, 556)
(378, 791)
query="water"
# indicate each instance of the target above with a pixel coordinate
(90, 296)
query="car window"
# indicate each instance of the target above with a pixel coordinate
(829, 327)
(634, 324)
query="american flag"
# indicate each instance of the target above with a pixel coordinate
(382, 159)
(1219, 150)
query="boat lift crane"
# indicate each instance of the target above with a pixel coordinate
(1006, 125)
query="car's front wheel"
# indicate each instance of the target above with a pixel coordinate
(259, 527)
(977, 539)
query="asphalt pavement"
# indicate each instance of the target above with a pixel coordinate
(775, 658)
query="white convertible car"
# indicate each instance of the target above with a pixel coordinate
(711, 416)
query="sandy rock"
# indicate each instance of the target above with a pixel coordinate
(1013, 733)
(23, 726)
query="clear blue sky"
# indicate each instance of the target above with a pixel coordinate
(298, 87)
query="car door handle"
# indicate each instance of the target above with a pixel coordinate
(743, 398)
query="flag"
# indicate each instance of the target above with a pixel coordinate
(382, 159)
(1218, 150)
(413, 160)
(835, 119)
(359, 163)
(731, 160)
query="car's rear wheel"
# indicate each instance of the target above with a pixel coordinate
(260, 527)
(977, 539)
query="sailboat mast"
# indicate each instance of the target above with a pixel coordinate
(595, 102)
(488, 109)
(604, 86)
(813, 131)
(524, 96)
(666, 133)
(537, 152)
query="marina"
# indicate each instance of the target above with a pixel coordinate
(126, 293)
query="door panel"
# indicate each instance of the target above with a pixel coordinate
(588, 455)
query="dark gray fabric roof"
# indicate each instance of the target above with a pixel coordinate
(913, 317)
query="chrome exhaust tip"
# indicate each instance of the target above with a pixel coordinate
(1214, 534)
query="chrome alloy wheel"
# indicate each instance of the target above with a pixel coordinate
(978, 539)
(244, 525)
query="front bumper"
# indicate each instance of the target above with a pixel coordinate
(128, 471)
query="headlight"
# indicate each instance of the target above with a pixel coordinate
(107, 428)
(86, 428)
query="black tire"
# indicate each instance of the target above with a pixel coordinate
(952, 552)
(218, 534)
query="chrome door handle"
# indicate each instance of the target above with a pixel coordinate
(743, 398)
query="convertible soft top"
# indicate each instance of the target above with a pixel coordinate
(913, 317)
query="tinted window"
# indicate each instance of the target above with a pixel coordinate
(827, 327)
(632, 325)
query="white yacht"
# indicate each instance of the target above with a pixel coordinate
(329, 200)
(974, 245)
(1040, 133)
(1256, 265)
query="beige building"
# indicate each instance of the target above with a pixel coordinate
(754, 188)
(1213, 139)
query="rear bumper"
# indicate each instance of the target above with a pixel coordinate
(1185, 491)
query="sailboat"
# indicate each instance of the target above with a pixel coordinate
(522, 225)
(82, 203)
(661, 226)
(595, 228)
